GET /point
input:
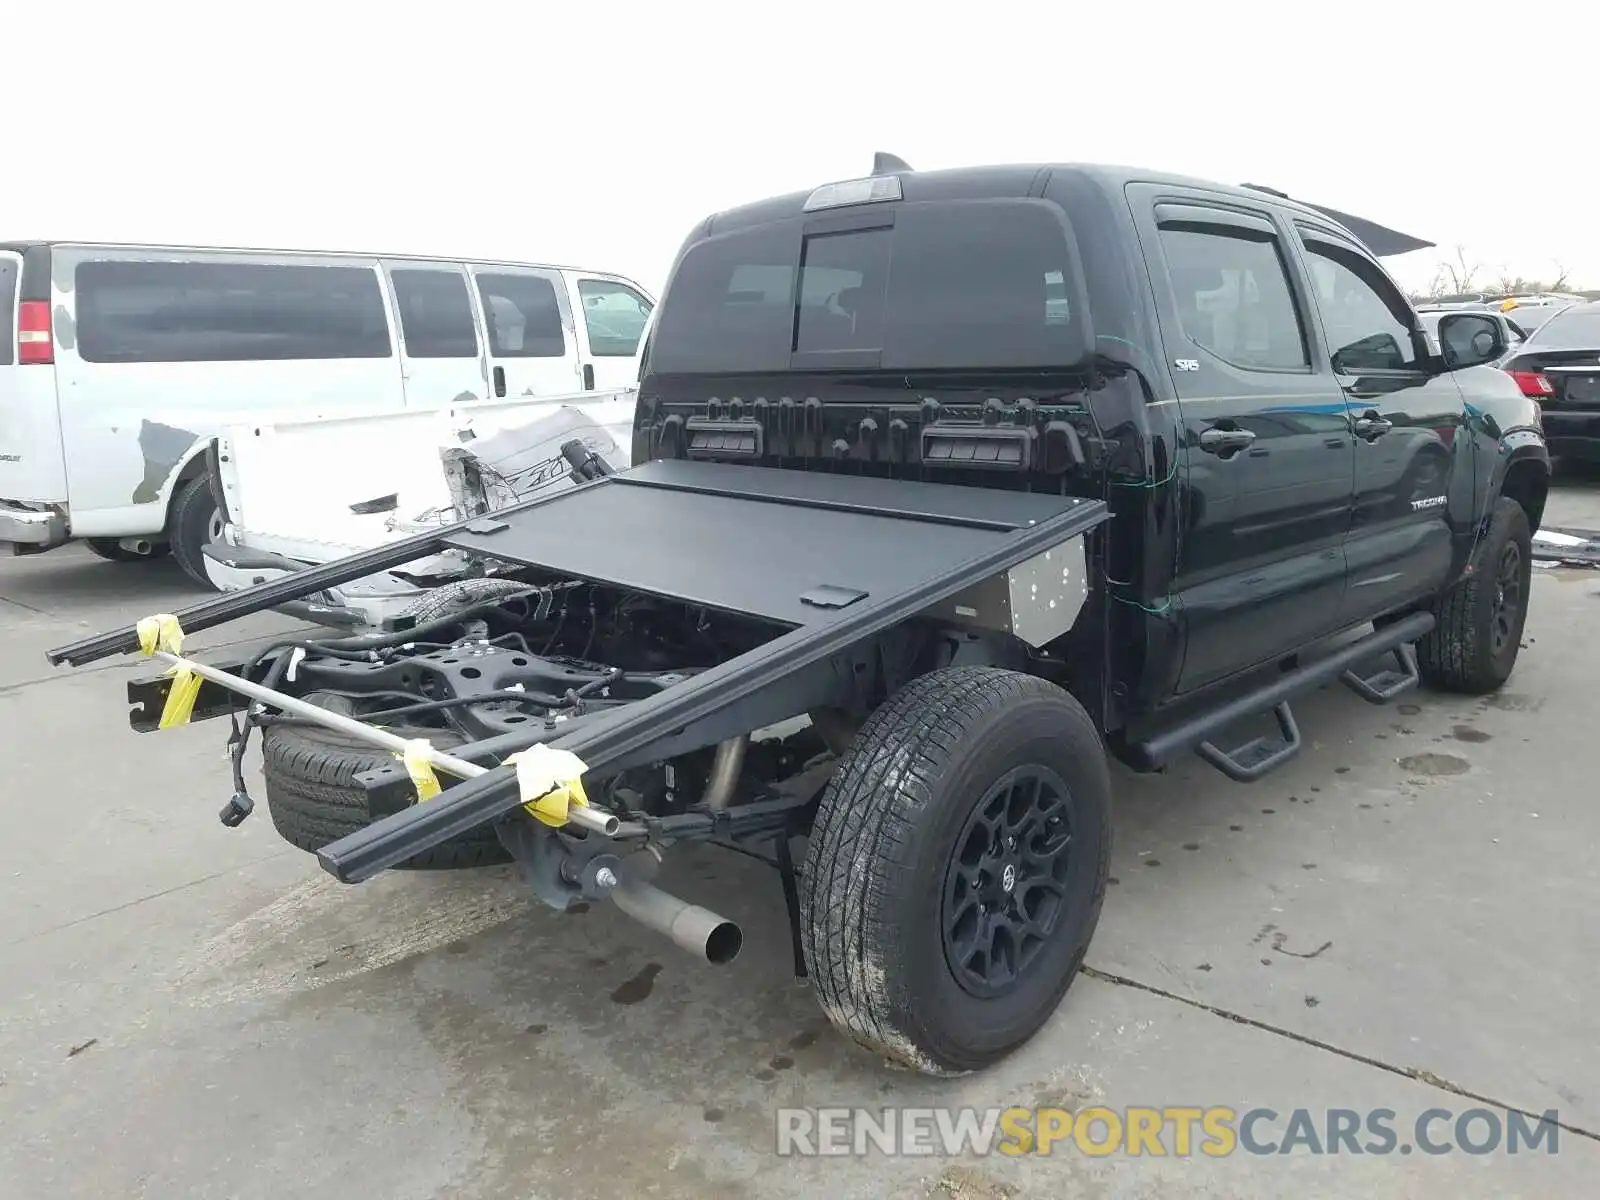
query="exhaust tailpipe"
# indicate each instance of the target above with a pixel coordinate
(701, 932)
(135, 545)
(725, 768)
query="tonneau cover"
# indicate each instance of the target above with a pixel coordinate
(788, 546)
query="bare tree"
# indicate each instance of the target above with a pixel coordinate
(1461, 275)
(1560, 283)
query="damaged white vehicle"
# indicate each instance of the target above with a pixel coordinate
(298, 494)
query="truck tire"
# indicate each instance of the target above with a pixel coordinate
(932, 936)
(1474, 646)
(112, 551)
(463, 593)
(314, 799)
(193, 523)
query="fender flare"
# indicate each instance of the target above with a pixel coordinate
(1524, 460)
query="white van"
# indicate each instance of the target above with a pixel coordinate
(118, 364)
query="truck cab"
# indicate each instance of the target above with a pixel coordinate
(1287, 450)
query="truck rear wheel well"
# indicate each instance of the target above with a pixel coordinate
(1528, 483)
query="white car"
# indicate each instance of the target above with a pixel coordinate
(119, 364)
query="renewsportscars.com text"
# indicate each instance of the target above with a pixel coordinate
(1175, 1131)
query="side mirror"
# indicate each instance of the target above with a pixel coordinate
(1468, 339)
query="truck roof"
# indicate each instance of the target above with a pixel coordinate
(965, 183)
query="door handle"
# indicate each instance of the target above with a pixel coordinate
(1224, 441)
(499, 382)
(588, 377)
(1370, 425)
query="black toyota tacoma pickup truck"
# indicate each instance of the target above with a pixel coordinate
(947, 486)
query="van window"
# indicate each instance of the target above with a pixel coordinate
(1233, 296)
(8, 310)
(435, 313)
(131, 311)
(614, 315)
(965, 284)
(523, 316)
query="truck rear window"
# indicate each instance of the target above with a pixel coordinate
(979, 284)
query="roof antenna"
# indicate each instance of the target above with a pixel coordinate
(888, 164)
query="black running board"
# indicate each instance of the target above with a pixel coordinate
(1252, 760)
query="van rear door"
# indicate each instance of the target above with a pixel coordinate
(30, 430)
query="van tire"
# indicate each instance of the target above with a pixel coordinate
(313, 797)
(111, 551)
(963, 763)
(189, 528)
(1472, 648)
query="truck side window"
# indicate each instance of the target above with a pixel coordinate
(435, 314)
(1233, 296)
(1369, 329)
(523, 316)
(614, 315)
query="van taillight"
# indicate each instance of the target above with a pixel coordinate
(34, 344)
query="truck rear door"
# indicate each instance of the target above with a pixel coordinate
(1268, 456)
(30, 429)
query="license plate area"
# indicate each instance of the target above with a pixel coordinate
(1582, 390)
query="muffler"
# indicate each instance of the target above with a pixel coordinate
(715, 939)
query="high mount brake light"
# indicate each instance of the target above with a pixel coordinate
(854, 191)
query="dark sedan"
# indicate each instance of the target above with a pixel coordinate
(1559, 366)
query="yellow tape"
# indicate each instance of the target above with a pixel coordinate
(420, 767)
(550, 783)
(162, 632)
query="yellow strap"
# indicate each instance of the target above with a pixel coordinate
(162, 632)
(550, 783)
(420, 767)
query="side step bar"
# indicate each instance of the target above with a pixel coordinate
(1253, 759)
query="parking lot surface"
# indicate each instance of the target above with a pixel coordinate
(1402, 919)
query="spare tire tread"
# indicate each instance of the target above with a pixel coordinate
(314, 799)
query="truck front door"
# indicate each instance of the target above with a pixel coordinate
(1413, 494)
(1268, 456)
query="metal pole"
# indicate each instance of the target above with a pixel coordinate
(592, 819)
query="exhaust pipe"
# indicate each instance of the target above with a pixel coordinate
(715, 939)
(725, 768)
(135, 545)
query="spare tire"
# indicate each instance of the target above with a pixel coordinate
(314, 799)
(462, 593)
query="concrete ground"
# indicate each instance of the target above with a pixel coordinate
(1402, 919)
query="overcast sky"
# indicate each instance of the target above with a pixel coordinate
(598, 134)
